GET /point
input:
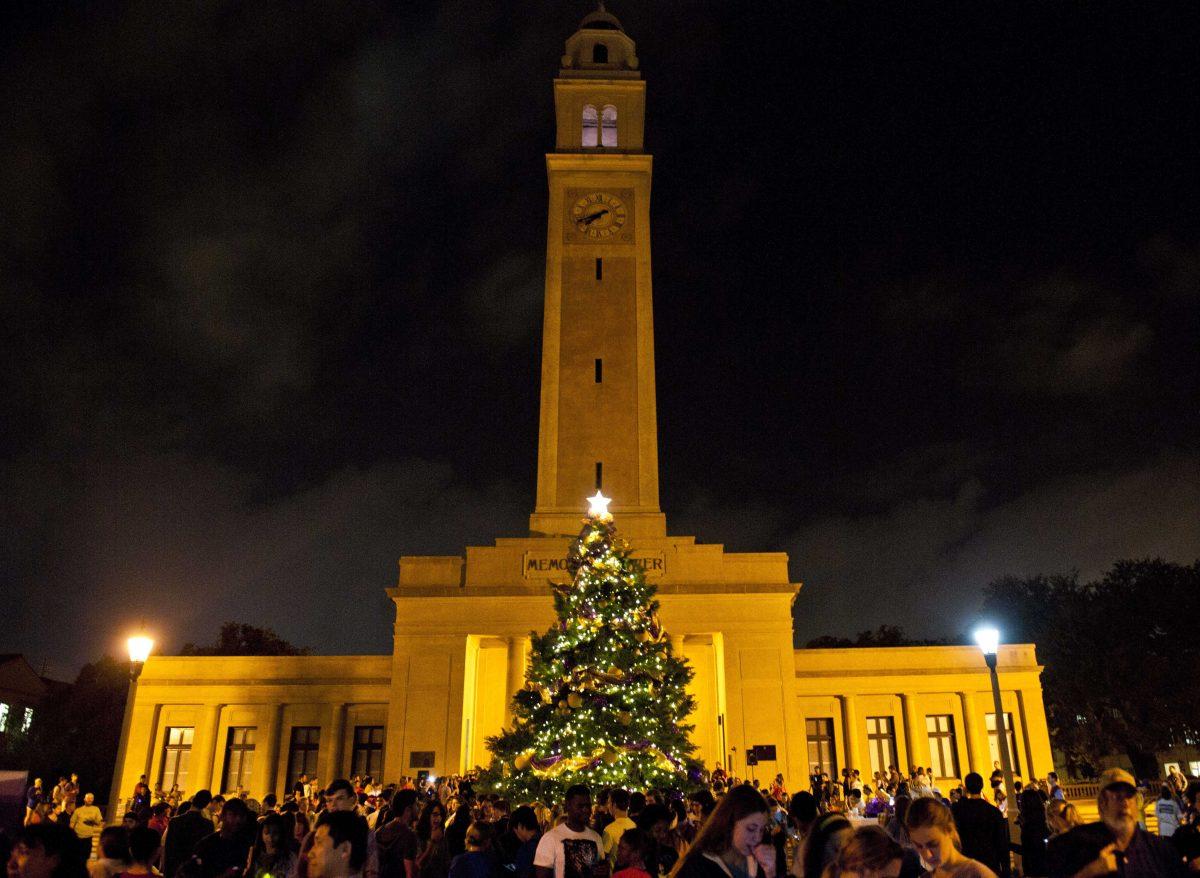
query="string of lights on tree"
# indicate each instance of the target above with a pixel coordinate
(605, 698)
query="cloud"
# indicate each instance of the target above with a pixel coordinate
(184, 545)
(922, 563)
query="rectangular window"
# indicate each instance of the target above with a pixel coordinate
(1011, 737)
(599, 371)
(943, 749)
(177, 754)
(421, 758)
(302, 753)
(367, 756)
(881, 739)
(28, 720)
(239, 759)
(822, 754)
(4, 709)
(599, 475)
(599, 268)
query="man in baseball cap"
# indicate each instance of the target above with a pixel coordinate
(1116, 845)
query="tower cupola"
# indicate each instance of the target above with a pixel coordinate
(600, 49)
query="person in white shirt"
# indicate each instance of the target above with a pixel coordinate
(571, 849)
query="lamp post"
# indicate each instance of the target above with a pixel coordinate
(988, 639)
(139, 650)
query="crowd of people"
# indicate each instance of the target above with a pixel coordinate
(891, 826)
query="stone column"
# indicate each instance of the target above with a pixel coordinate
(332, 768)
(517, 652)
(850, 731)
(271, 734)
(971, 732)
(914, 733)
(208, 749)
(1039, 757)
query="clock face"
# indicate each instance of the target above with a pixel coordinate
(599, 215)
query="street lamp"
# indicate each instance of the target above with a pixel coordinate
(988, 639)
(139, 646)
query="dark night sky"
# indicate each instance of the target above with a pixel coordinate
(927, 286)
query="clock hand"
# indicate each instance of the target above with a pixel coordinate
(591, 218)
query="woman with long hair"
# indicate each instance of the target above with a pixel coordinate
(433, 861)
(728, 844)
(275, 848)
(868, 852)
(1061, 816)
(932, 832)
(824, 842)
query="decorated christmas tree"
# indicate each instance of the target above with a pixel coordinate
(604, 699)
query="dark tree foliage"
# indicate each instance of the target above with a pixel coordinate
(77, 729)
(884, 635)
(1121, 657)
(240, 639)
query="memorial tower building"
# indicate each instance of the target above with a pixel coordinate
(462, 622)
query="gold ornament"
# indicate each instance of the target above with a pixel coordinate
(624, 717)
(575, 701)
(610, 757)
(521, 762)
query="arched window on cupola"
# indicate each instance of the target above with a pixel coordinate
(608, 126)
(599, 53)
(591, 126)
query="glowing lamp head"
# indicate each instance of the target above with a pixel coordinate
(139, 648)
(988, 639)
(598, 507)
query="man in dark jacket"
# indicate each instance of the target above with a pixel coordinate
(1116, 845)
(223, 854)
(184, 833)
(981, 826)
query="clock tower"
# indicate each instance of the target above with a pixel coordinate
(598, 414)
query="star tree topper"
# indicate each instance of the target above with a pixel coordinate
(599, 507)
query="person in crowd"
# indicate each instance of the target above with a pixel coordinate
(895, 825)
(433, 857)
(822, 845)
(982, 829)
(476, 861)
(224, 853)
(1056, 791)
(1116, 843)
(87, 822)
(34, 796)
(184, 833)
(802, 816)
(655, 821)
(144, 845)
(1168, 812)
(396, 842)
(701, 804)
(868, 852)
(160, 818)
(339, 845)
(526, 832)
(854, 804)
(456, 827)
(47, 850)
(729, 844)
(275, 848)
(1061, 816)
(1034, 833)
(572, 849)
(779, 789)
(635, 851)
(114, 851)
(880, 804)
(931, 830)
(618, 805)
